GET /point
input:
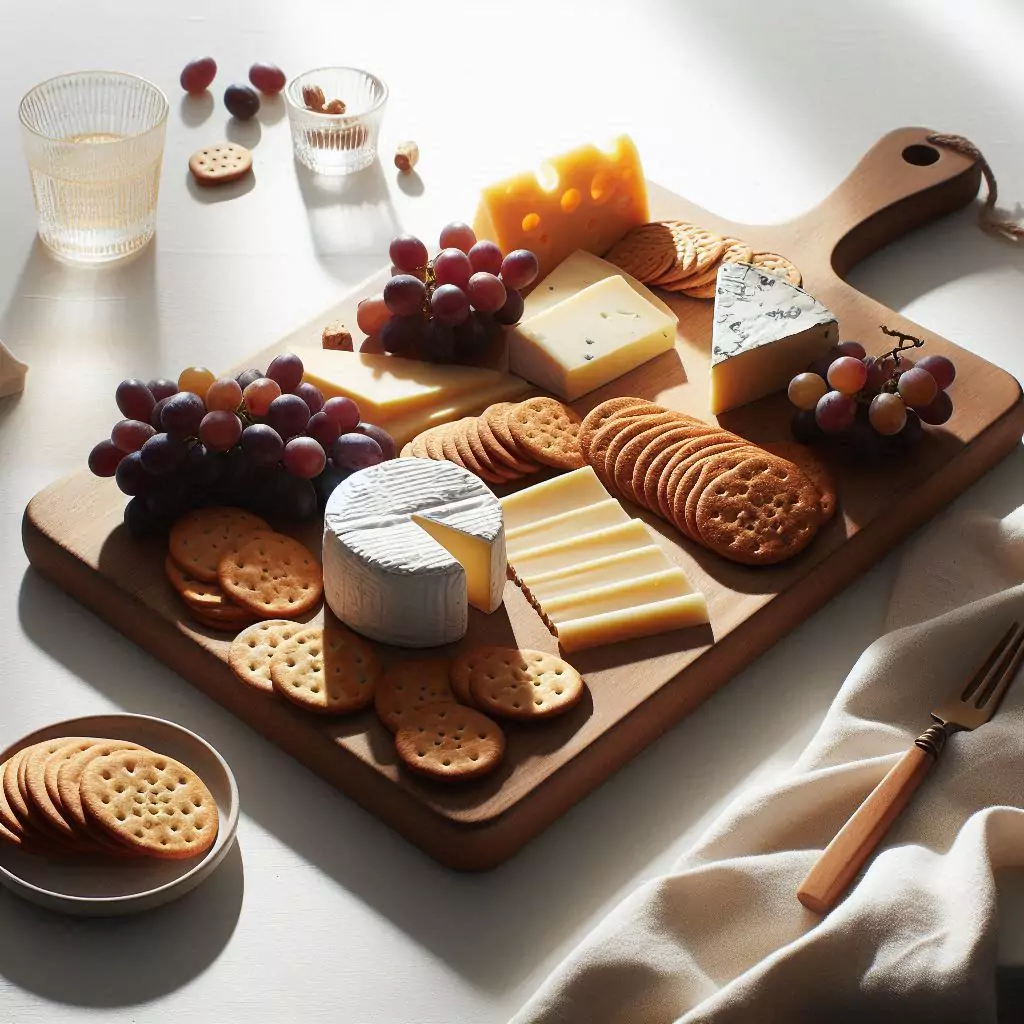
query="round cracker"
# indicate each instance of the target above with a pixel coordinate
(642, 450)
(605, 411)
(669, 477)
(548, 432)
(201, 538)
(735, 251)
(450, 742)
(494, 424)
(699, 476)
(646, 251)
(37, 796)
(708, 247)
(620, 479)
(686, 255)
(778, 265)
(272, 575)
(220, 163)
(501, 473)
(813, 468)
(448, 446)
(69, 777)
(759, 513)
(408, 687)
(656, 464)
(329, 670)
(524, 684)
(251, 651)
(150, 803)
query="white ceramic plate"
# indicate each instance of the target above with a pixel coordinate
(93, 887)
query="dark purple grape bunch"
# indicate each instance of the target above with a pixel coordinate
(266, 441)
(242, 102)
(446, 309)
(875, 403)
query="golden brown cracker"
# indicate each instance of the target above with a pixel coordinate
(759, 513)
(273, 576)
(450, 742)
(220, 163)
(548, 432)
(201, 538)
(524, 684)
(150, 803)
(251, 651)
(329, 670)
(409, 686)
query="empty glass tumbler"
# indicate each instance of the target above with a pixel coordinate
(94, 141)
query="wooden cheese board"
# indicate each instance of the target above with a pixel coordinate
(636, 690)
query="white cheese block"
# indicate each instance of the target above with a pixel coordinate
(585, 341)
(407, 545)
(560, 494)
(600, 572)
(765, 331)
(578, 271)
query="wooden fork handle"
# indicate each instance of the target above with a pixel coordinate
(845, 855)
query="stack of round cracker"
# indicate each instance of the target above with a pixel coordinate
(506, 442)
(230, 568)
(751, 504)
(79, 795)
(442, 712)
(683, 257)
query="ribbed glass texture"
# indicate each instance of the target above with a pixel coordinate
(94, 142)
(337, 143)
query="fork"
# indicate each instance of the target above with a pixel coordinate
(966, 709)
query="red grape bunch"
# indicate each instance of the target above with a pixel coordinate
(446, 309)
(875, 403)
(268, 441)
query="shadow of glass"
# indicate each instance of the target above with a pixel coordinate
(194, 110)
(350, 215)
(96, 316)
(181, 940)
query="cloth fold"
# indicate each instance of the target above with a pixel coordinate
(723, 939)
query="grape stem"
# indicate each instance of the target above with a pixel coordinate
(907, 341)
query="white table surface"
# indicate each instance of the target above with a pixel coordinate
(753, 110)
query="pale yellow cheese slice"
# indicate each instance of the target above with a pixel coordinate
(612, 541)
(388, 387)
(579, 271)
(565, 526)
(630, 623)
(405, 427)
(587, 340)
(560, 494)
(482, 557)
(616, 597)
(599, 573)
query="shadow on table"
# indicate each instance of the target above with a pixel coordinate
(60, 311)
(349, 216)
(85, 962)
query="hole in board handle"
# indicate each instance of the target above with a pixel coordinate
(920, 156)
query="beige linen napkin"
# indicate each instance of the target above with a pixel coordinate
(723, 937)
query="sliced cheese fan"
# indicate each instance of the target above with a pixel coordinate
(596, 575)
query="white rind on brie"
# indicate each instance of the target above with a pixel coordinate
(386, 576)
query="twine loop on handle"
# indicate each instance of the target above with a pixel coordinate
(987, 220)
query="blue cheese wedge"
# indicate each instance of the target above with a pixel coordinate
(586, 340)
(765, 331)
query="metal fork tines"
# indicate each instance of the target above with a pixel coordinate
(978, 701)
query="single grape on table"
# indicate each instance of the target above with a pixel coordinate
(198, 75)
(268, 78)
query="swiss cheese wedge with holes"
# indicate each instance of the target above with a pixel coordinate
(587, 199)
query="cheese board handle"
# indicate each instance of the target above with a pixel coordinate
(903, 182)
